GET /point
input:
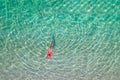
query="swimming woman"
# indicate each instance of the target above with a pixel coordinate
(50, 49)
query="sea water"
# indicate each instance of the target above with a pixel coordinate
(86, 36)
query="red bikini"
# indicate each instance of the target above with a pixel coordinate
(49, 53)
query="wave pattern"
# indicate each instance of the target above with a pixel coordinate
(86, 33)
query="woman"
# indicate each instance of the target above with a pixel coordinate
(50, 50)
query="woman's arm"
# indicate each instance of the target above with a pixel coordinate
(51, 44)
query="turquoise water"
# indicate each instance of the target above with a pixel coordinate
(87, 37)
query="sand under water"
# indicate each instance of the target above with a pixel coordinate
(87, 37)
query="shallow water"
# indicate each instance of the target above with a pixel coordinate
(86, 36)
